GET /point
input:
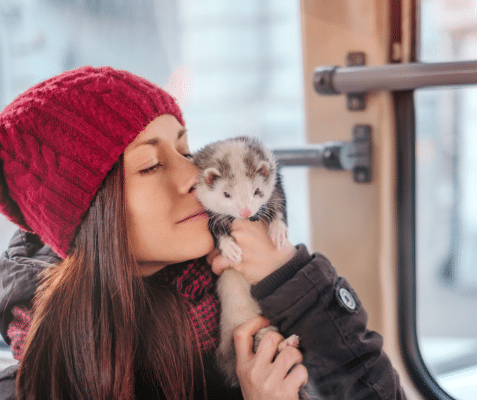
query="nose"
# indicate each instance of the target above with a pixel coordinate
(245, 212)
(185, 175)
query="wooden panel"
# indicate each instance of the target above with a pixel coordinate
(354, 225)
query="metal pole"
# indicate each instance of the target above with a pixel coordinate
(330, 155)
(394, 77)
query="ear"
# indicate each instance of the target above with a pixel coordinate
(211, 175)
(263, 168)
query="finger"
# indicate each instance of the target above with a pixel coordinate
(219, 264)
(239, 223)
(288, 358)
(298, 376)
(214, 253)
(242, 226)
(268, 347)
(243, 337)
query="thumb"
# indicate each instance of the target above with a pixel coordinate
(219, 263)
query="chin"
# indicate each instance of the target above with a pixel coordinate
(202, 249)
(195, 244)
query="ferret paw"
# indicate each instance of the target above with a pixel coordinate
(259, 335)
(230, 249)
(293, 340)
(278, 232)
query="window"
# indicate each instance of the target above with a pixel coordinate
(235, 67)
(446, 203)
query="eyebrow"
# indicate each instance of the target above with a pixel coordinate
(155, 141)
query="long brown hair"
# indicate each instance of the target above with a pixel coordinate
(99, 328)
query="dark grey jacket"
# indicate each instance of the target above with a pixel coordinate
(305, 297)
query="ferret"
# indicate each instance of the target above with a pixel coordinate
(238, 178)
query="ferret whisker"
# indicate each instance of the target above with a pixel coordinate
(280, 209)
(276, 203)
(217, 219)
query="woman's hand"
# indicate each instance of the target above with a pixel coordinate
(260, 257)
(260, 375)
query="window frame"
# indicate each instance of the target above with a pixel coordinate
(404, 109)
(406, 227)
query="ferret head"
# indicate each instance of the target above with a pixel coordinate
(239, 180)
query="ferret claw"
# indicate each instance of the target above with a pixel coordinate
(293, 340)
(230, 249)
(278, 232)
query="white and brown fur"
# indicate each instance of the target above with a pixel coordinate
(238, 178)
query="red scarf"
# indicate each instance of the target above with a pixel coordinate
(193, 280)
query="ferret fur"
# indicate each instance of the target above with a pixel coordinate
(238, 177)
(235, 176)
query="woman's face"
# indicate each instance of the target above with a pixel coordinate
(167, 224)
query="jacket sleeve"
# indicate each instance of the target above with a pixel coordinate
(20, 266)
(7, 382)
(344, 359)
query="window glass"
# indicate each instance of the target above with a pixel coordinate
(235, 67)
(446, 202)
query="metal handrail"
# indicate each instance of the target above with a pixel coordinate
(337, 155)
(393, 77)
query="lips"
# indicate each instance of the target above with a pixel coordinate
(198, 215)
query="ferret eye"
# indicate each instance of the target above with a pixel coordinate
(257, 192)
(227, 195)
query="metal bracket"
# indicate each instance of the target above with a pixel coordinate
(362, 153)
(350, 156)
(356, 101)
(324, 78)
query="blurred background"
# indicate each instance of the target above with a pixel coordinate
(446, 203)
(236, 68)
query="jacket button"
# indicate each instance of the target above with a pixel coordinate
(346, 299)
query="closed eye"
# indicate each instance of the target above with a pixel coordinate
(150, 169)
(155, 167)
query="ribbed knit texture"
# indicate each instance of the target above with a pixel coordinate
(60, 138)
(277, 278)
(194, 281)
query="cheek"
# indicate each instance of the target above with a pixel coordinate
(155, 236)
(145, 195)
(147, 209)
(144, 206)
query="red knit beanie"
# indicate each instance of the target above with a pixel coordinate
(60, 138)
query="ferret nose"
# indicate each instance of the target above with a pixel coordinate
(245, 212)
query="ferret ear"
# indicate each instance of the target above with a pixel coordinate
(211, 175)
(263, 168)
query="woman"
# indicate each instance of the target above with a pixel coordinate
(95, 162)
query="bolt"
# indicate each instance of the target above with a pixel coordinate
(361, 175)
(360, 132)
